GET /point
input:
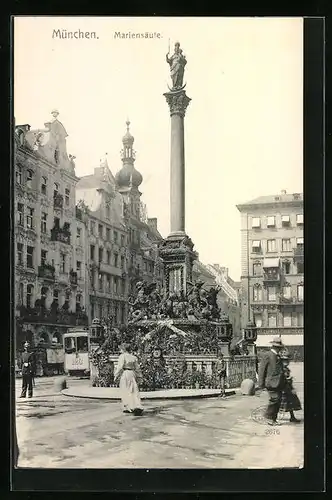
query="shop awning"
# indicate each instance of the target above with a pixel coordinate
(268, 263)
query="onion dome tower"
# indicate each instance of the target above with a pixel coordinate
(128, 179)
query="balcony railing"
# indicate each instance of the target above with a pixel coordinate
(281, 330)
(46, 271)
(271, 277)
(58, 201)
(58, 234)
(298, 254)
(291, 300)
(43, 315)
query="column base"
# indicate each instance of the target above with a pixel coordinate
(176, 234)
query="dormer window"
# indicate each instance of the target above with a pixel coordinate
(56, 156)
(67, 196)
(29, 178)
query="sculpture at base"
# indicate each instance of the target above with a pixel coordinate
(177, 64)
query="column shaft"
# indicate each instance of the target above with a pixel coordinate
(177, 194)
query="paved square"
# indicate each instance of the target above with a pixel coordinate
(58, 431)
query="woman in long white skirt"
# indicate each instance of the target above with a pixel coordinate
(128, 372)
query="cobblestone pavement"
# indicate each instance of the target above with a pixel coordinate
(59, 431)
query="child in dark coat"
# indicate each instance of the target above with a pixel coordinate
(289, 399)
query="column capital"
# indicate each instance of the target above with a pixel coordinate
(177, 102)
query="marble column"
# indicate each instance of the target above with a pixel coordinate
(178, 102)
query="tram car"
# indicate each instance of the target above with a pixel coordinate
(76, 344)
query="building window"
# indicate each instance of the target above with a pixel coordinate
(300, 319)
(116, 258)
(107, 211)
(287, 291)
(271, 293)
(78, 302)
(108, 256)
(299, 219)
(257, 294)
(56, 296)
(29, 178)
(30, 251)
(286, 245)
(78, 236)
(299, 242)
(92, 278)
(122, 240)
(285, 220)
(271, 221)
(100, 282)
(30, 218)
(100, 230)
(257, 269)
(258, 320)
(20, 253)
(63, 262)
(256, 246)
(287, 319)
(55, 190)
(29, 300)
(108, 283)
(286, 267)
(19, 174)
(43, 257)
(79, 268)
(43, 185)
(300, 292)
(122, 262)
(20, 218)
(92, 252)
(115, 236)
(271, 245)
(21, 294)
(67, 197)
(100, 254)
(108, 234)
(115, 284)
(43, 223)
(272, 320)
(300, 268)
(92, 227)
(256, 222)
(56, 223)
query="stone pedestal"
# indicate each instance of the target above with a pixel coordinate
(178, 256)
(178, 102)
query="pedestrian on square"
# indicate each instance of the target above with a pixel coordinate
(221, 374)
(28, 371)
(289, 399)
(271, 377)
(128, 373)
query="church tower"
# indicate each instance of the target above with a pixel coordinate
(128, 179)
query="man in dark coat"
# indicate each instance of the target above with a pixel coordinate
(28, 371)
(271, 377)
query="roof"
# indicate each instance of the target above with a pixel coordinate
(88, 181)
(274, 198)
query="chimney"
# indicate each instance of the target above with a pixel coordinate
(152, 222)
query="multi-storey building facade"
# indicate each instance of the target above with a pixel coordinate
(272, 261)
(122, 242)
(50, 296)
(215, 275)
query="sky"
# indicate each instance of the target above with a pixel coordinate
(243, 127)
